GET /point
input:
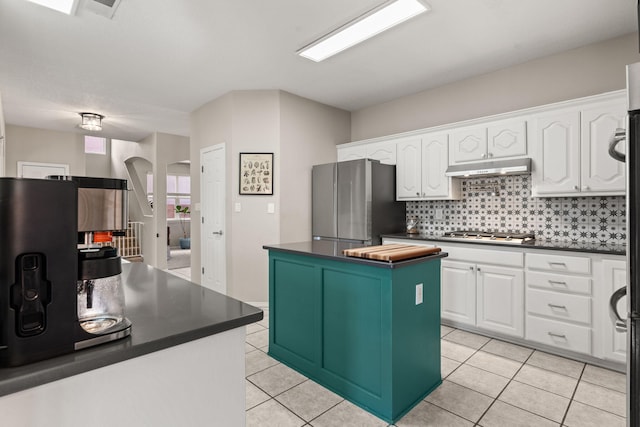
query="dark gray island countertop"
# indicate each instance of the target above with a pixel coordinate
(557, 245)
(330, 249)
(165, 311)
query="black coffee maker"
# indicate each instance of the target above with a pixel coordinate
(59, 291)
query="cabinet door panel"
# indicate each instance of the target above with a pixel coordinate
(383, 151)
(351, 153)
(435, 158)
(507, 138)
(615, 343)
(459, 292)
(469, 144)
(600, 172)
(408, 169)
(500, 300)
(557, 166)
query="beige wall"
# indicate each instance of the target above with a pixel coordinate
(300, 133)
(44, 146)
(588, 70)
(309, 132)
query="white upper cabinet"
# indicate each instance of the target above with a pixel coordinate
(384, 151)
(351, 153)
(421, 165)
(572, 151)
(469, 144)
(494, 140)
(599, 171)
(557, 158)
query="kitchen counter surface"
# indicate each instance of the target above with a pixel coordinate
(329, 249)
(165, 311)
(536, 244)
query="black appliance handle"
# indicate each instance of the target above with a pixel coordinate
(619, 136)
(621, 325)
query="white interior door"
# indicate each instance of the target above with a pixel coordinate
(213, 231)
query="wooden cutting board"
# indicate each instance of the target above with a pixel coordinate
(395, 252)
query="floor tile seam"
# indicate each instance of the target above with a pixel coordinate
(328, 409)
(464, 345)
(453, 413)
(549, 370)
(599, 409)
(573, 395)
(261, 370)
(603, 386)
(491, 372)
(304, 422)
(522, 409)
(293, 386)
(507, 357)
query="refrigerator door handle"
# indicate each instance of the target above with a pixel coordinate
(618, 137)
(621, 325)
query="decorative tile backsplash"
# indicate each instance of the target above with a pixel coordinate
(512, 209)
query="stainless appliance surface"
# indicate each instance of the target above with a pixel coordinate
(489, 237)
(491, 168)
(355, 201)
(631, 324)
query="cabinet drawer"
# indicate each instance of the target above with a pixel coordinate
(559, 282)
(559, 334)
(561, 306)
(484, 256)
(559, 263)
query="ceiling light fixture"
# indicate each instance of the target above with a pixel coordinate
(64, 6)
(377, 20)
(91, 121)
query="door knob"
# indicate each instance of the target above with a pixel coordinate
(219, 233)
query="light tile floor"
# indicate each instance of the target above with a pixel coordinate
(486, 382)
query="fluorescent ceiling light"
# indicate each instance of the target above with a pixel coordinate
(64, 6)
(383, 17)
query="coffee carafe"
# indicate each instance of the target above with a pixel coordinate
(102, 212)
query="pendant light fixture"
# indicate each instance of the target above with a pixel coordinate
(91, 121)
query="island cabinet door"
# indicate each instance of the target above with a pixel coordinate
(459, 292)
(501, 299)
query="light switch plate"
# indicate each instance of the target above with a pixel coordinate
(238, 207)
(271, 208)
(419, 293)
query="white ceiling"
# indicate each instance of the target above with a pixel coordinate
(156, 61)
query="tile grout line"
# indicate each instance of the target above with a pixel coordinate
(566, 412)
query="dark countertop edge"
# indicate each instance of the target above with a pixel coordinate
(537, 245)
(72, 367)
(355, 260)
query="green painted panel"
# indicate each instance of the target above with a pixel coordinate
(352, 329)
(294, 308)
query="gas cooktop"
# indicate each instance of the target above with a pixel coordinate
(489, 236)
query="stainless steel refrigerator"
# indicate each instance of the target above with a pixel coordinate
(355, 201)
(632, 290)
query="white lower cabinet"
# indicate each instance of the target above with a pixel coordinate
(614, 343)
(559, 301)
(484, 295)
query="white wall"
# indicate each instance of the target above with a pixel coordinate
(588, 70)
(300, 133)
(44, 146)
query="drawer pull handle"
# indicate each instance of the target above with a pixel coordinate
(553, 334)
(556, 282)
(559, 264)
(559, 307)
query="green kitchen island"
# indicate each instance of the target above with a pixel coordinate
(367, 330)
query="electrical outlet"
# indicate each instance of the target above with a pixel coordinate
(419, 293)
(439, 213)
(238, 207)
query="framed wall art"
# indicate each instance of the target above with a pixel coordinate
(256, 174)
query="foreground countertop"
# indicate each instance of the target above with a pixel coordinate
(329, 249)
(165, 311)
(536, 244)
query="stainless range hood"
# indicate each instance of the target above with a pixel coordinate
(490, 168)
